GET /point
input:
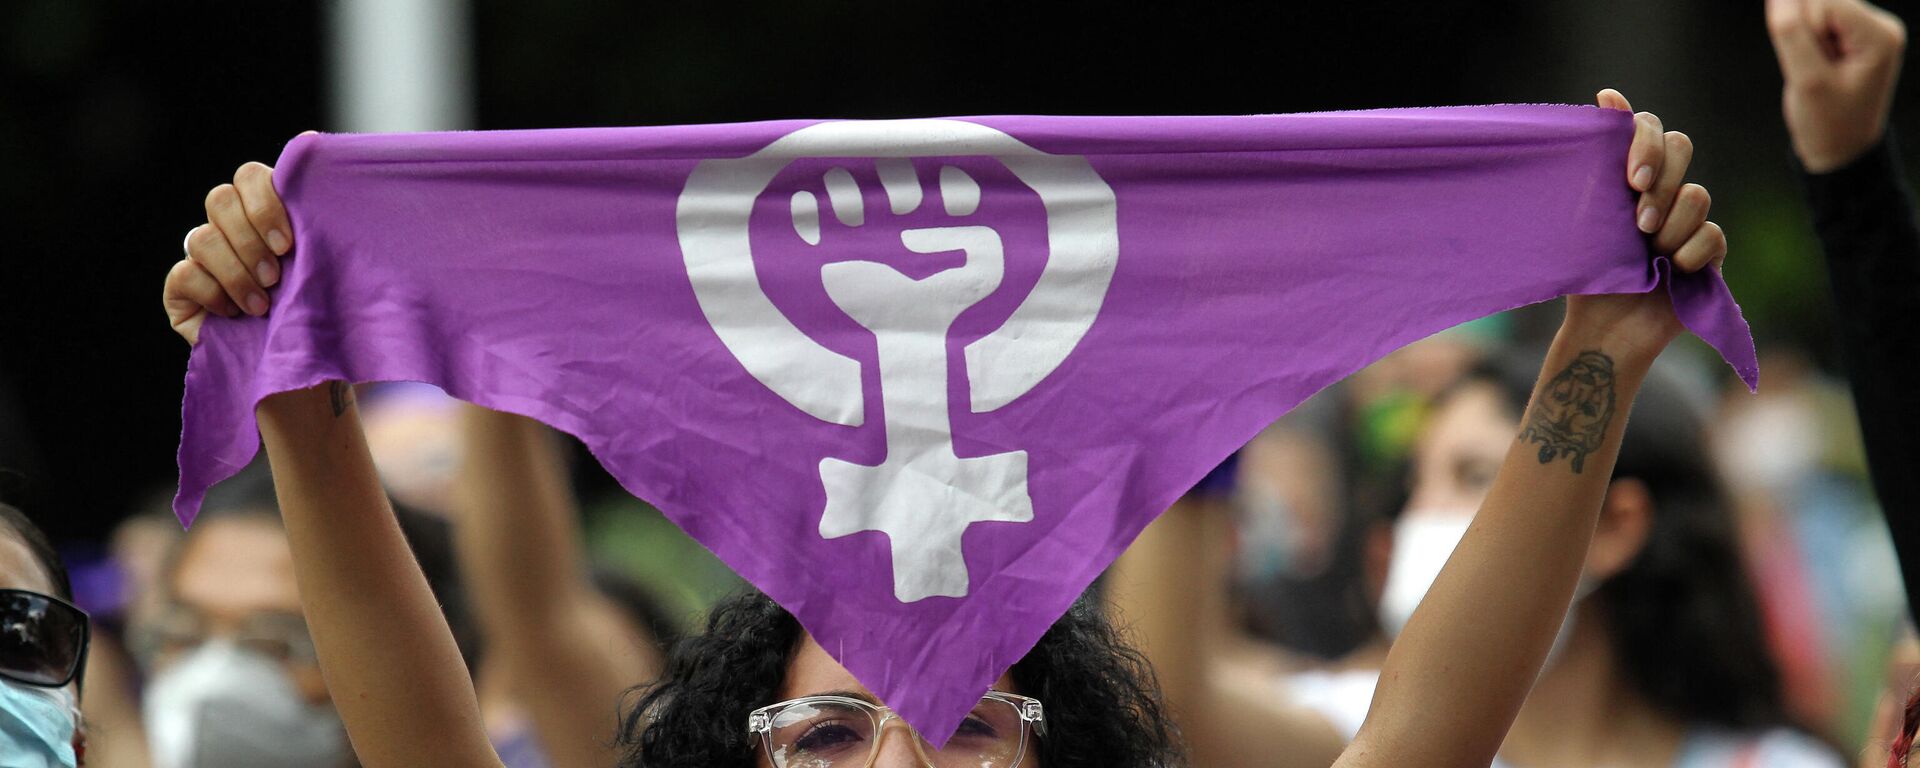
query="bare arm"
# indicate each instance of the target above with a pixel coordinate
(567, 651)
(1459, 671)
(390, 662)
(1170, 588)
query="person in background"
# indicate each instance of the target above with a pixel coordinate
(1840, 60)
(43, 652)
(232, 679)
(561, 641)
(124, 594)
(566, 650)
(1313, 502)
(231, 674)
(1661, 661)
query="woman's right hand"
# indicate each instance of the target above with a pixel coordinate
(232, 259)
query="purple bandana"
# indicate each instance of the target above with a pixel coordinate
(922, 380)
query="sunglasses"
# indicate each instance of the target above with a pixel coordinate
(43, 640)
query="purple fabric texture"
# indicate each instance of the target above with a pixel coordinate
(922, 380)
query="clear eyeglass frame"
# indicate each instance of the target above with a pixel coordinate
(760, 723)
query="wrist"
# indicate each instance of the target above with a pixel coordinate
(1632, 350)
(296, 409)
(1832, 156)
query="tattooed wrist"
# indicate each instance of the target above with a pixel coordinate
(1571, 412)
(340, 394)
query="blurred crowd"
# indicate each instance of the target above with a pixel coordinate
(1329, 526)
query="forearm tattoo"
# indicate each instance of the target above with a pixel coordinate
(1570, 416)
(340, 394)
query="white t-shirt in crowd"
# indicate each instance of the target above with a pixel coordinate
(1343, 698)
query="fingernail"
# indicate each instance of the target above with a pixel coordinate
(1648, 218)
(1643, 178)
(256, 304)
(277, 240)
(268, 272)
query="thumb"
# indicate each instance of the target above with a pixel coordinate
(187, 324)
(1795, 30)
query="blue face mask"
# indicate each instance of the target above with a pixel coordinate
(36, 727)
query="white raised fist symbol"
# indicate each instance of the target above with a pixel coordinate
(922, 495)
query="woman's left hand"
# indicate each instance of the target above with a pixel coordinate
(1673, 213)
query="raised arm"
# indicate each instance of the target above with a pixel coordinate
(1839, 62)
(389, 660)
(567, 651)
(1170, 589)
(1463, 665)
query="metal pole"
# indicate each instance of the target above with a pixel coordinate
(401, 65)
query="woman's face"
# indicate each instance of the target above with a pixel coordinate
(1456, 459)
(1454, 464)
(814, 673)
(19, 569)
(234, 579)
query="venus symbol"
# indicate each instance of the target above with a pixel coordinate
(922, 495)
(910, 320)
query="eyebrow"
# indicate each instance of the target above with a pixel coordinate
(848, 694)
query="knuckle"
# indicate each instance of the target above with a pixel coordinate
(257, 213)
(251, 173)
(1697, 195)
(1782, 24)
(177, 276)
(201, 241)
(222, 198)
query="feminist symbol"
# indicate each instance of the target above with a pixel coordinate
(923, 496)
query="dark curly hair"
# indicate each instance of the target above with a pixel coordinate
(1103, 706)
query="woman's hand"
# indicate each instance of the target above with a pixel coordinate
(1839, 60)
(1674, 214)
(232, 259)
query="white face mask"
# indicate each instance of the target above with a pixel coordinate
(222, 706)
(1422, 542)
(36, 726)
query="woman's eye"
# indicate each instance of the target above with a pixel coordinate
(827, 737)
(1476, 474)
(180, 639)
(974, 726)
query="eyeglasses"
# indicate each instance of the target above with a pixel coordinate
(843, 732)
(277, 635)
(43, 640)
